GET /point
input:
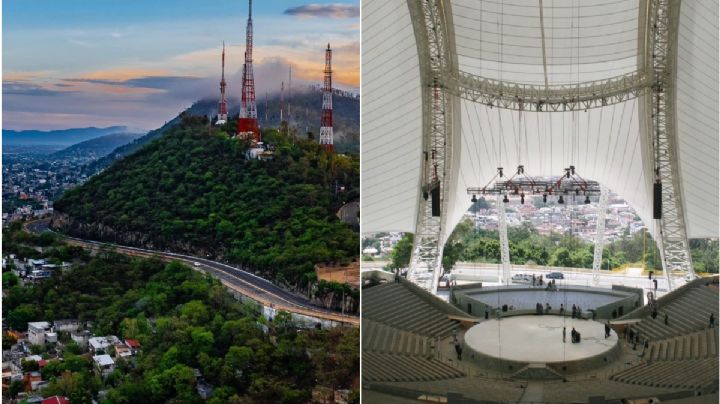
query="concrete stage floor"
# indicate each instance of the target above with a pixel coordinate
(538, 339)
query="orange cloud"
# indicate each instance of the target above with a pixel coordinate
(26, 76)
(306, 65)
(123, 74)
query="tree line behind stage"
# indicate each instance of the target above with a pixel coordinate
(470, 244)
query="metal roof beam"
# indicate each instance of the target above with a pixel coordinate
(553, 98)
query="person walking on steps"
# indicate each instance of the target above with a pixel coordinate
(712, 320)
(458, 350)
(607, 329)
(666, 319)
(564, 332)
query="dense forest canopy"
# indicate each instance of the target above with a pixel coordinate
(199, 192)
(184, 321)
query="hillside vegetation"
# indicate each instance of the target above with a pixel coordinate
(185, 321)
(304, 106)
(194, 192)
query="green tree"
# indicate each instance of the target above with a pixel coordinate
(16, 386)
(195, 312)
(400, 256)
(9, 280)
(21, 315)
(561, 258)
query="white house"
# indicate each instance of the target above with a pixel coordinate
(67, 325)
(104, 364)
(101, 343)
(36, 332)
(81, 338)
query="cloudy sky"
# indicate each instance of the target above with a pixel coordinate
(79, 63)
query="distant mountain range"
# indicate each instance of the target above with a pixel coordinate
(64, 137)
(97, 147)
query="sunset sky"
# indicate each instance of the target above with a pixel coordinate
(76, 63)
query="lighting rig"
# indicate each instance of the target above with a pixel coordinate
(570, 183)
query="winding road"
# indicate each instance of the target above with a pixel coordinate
(243, 282)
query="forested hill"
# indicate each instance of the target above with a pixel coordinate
(305, 107)
(194, 192)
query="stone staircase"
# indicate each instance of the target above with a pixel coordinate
(687, 361)
(683, 374)
(696, 345)
(377, 337)
(386, 367)
(687, 313)
(400, 306)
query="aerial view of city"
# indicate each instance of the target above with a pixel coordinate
(180, 196)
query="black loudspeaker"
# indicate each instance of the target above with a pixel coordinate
(435, 193)
(657, 200)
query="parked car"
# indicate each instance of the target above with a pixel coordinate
(522, 278)
(555, 275)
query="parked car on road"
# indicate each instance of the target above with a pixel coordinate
(555, 275)
(522, 278)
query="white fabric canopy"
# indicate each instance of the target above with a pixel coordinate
(503, 41)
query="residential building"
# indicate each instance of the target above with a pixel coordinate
(104, 364)
(56, 400)
(67, 325)
(123, 351)
(101, 343)
(134, 345)
(81, 338)
(36, 332)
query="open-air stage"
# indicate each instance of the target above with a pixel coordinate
(537, 339)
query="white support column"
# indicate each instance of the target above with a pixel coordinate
(599, 236)
(435, 55)
(660, 61)
(504, 243)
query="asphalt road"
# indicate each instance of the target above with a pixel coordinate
(241, 281)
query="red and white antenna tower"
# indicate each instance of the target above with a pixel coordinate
(248, 124)
(289, 91)
(282, 100)
(326, 125)
(222, 107)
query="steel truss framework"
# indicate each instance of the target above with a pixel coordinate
(442, 83)
(429, 25)
(504, 242)
(599, 236)
(556, 98)
(661, 61)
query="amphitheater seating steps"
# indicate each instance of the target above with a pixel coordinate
(378, 337)
(682, 374)
(385, 367)
(397, 305)
(697, 345)
(687, 313)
